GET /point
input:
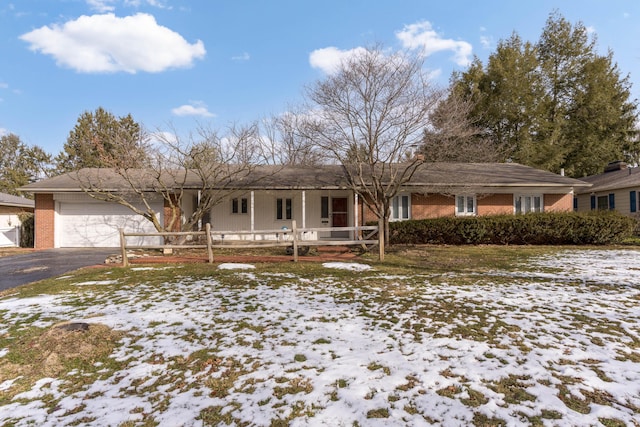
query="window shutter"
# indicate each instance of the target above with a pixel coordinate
(633, 203)
(575, 204)
(593, 203)
(612, 201)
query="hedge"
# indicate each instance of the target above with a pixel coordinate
(593, 228)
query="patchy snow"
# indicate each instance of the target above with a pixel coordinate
(343, 354)
(235, 266)
(97, 282)
(352, 266)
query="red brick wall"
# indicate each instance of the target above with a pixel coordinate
(495, 204)
(558, 202)
(44, 221)
(438, 205)
(431, 206)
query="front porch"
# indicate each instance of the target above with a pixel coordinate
(322, 213)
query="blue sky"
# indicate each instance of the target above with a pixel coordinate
(179, 63)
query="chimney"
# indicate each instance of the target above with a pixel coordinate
(615, 166)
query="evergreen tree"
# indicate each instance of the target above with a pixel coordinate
(554, 104)
(101, 140)
(20, 164)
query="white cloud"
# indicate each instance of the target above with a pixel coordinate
(486, 42)
(102, 6)
(194, 108)
(244, 57)
(328, 59)
(422, 36)
(155, 3)
(160, 138)
(109, 44)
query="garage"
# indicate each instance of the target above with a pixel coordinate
(91, 223)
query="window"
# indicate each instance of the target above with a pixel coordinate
(465, 205)
(633, 201)
(239, 206)
(324, 207)
(575, 204)
(528, 203)
(400, 208)
(284, 209)
(603, 203)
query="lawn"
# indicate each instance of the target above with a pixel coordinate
(451, 336)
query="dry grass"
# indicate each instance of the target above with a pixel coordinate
(230, 319)
(52, 352)
(4, 252)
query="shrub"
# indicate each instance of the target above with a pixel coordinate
(593, 228)
(26, 230)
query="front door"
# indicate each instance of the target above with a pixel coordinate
(340, 215)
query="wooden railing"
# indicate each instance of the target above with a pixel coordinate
(295, 237)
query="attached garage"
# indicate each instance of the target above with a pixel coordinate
(85, 222)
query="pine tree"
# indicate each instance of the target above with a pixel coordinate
(20, 164)
(554, 104)
(101, 140)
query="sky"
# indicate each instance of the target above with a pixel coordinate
(178, 64)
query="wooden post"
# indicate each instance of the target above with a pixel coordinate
(295, 240)
(381, 240)
(123, 249)
(207, 228)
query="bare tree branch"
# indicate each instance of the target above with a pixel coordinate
(369, 116)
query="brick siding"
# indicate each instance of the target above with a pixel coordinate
(558, 202)
(44, 221)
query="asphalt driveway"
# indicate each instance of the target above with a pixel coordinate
(18, 270)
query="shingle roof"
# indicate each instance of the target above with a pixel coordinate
(489, 175)
(614, 180)
(15, 201)
(321, 177)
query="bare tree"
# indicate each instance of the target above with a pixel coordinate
(282, 143)
(453, 137)
(370, 115)
(206, 166)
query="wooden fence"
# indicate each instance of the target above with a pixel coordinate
(284, 237)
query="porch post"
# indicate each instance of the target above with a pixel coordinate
(253, 219)
(355, 215)
(304, 209)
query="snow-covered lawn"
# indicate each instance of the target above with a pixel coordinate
(555, 342)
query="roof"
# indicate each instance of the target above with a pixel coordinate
(614, 180)
(431, 175)
(15, 201)
(258, 177)
(489, 175)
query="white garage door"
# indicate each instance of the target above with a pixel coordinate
(97, 224)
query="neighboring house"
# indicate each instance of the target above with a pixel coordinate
(10, 209)
(615, 189)
(315, 197)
